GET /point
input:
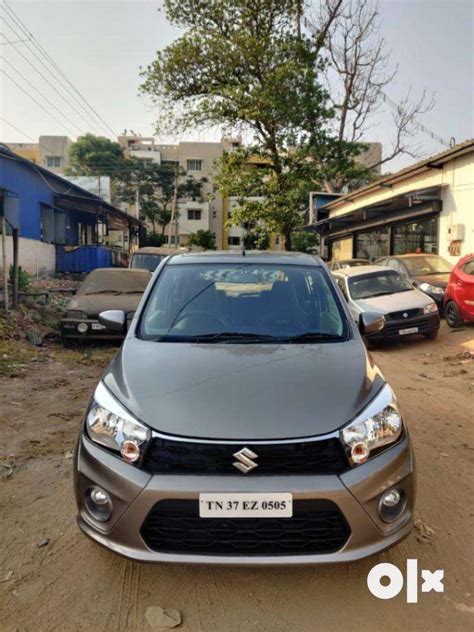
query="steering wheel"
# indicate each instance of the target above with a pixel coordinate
(199, 322)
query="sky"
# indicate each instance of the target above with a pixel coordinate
(100, 47)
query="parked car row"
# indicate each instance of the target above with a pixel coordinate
(409, 291)
(398, 286)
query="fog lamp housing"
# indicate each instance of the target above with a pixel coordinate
(98, 503)
(392, 504)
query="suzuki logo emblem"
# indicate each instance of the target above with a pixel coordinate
(244, 461)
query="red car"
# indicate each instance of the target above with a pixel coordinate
(459, 295)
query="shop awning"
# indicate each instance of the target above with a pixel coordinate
(399, 208)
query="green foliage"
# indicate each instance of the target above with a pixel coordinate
(154, 239)
(256, 238)
(245, 66)
(24, 279)
(95, 156)
(203, 239)
(304, 241)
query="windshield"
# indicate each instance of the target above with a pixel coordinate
(115, 281)
(429, 264)
(146, 261)
(378, 284)
(242, 303)
(353, 263)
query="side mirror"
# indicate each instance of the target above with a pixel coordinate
(370, 323)
(114, 320)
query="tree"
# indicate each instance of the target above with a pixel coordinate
(305, 241)
(246, 66)
(358, 74)
(95, 156)
(203, 239)
(256, 238)
(155, 185)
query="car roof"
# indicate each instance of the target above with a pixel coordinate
(362, 270)
(155, 250)
(248, 256)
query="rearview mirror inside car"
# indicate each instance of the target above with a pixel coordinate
(370, 323)
(114, 320)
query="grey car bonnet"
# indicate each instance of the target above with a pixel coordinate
(240, 391)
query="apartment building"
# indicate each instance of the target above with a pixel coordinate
(50, 152)
(197, 159)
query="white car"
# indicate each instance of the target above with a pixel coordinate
(384, 291)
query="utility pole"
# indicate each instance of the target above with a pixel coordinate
(174, 210)
(4, 255)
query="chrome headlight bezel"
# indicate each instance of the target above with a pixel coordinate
(108, 424)
(379, 425)
(430, 308)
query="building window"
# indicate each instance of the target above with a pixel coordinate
(372, 244)
(233, 241)
(194, 165)
(416, 237)
(194, 213)
(214, 213)
(53, 161)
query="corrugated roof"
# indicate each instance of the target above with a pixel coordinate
(432, 162)
(82, 193)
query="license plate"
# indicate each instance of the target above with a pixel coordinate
(409, 330)
(97, 326)
(246, 505)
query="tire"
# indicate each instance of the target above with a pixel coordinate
(432, 335)
(453, 315)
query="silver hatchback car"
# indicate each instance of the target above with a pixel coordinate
(381, 290)
(243, 422)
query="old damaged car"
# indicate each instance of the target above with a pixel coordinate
(102, 289)
(244, 422)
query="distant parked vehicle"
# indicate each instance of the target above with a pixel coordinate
(340, 264)
(459, 295)
(381, 290)
(429, 273)
(149, 257)
(103, 289)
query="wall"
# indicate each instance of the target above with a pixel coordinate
(34, 256)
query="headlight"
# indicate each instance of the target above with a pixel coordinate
(75, 315)
(379, 425)
(431, 289)
(431, 308)
(110, 425)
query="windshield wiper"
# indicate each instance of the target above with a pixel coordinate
(313, 336)
(218, 337)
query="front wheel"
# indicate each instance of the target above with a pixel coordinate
(453, 315)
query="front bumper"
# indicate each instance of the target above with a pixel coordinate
(425, 325)
(134, 493)
(95, 331)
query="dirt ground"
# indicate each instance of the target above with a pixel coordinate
(54, 578)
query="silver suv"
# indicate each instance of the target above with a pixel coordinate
(242, 422)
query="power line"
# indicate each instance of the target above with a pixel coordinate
(34, 101)
(41, 95)
(88, 122)
(51, 61)
(17, 129)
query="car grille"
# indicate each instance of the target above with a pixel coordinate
(174, 526)
(424, 324)
(165, 456)
(410, 313)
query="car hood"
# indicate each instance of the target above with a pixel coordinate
(439, 280)
(93, 304)
(394, 302)
(243, 391)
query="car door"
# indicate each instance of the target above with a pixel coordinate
(342, 283)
